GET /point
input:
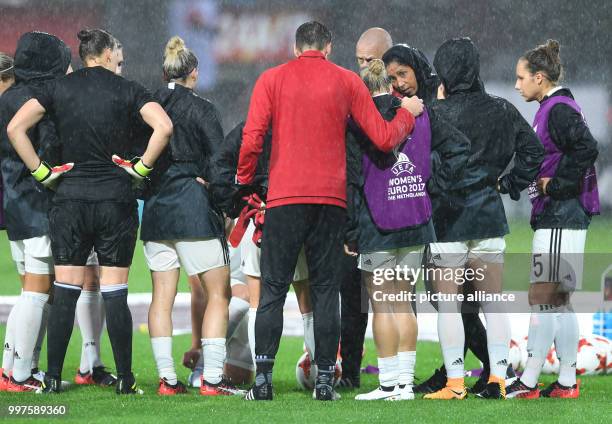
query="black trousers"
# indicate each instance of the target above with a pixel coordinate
(353, 320)
(320, 229)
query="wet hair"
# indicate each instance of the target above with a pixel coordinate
(6, 67)
(94, 42)
(179, 61)
(375, 77)
(312, 34)
(545, 59)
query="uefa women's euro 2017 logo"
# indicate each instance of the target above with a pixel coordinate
(402, 165)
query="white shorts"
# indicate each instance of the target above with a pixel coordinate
(238, 350)
(195, 256)
(251, 256)
(558, 257)
(410, 257)
(33, 255)
(457, 254)
(236, 277)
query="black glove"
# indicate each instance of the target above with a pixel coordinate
(504, 186)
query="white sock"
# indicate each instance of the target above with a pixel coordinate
(237, 310)
(406, 363)
(41, 335)
(566, 344)
(8, 354)
(251, 331)
(309, 339)
(88, 315)
(388, 371)
(26, 332)
(214, 358)
(542, 326)
(162, 352)
(498, 338)
(452, 338)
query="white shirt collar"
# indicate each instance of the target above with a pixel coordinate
(553, 91)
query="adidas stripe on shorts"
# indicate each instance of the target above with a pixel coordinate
(558, 257)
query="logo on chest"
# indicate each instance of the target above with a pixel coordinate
(403, 165)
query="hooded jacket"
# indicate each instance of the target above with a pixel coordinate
(472, 208)
(176, 205)
(39, 57)
(225, 165)
(427, 80)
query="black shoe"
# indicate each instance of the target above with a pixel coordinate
(261, 392)
(52, 384)
(480, 385)
(102, 377)
(324, 387)
(126, 385)
(433, 384)
(493, 391)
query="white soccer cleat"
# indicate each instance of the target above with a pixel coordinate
(406, 393)
(380, 394)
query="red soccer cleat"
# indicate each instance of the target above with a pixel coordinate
(83, 379)
(167, 389)
(519, 390)
(4, 379)
(223, 388)
(556, 390)
(30, 385)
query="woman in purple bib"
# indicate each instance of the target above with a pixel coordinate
(564, 198)
(390, 222)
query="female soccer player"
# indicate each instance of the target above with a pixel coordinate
(498, 134)
(39, 58)
(390, 222)
(93, 110)
(191, 237)
(564, 197)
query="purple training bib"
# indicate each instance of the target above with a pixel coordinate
(395, 185)
(589, 196)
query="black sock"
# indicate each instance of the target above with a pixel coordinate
(476, 337)
(119, 326)
(326, 375)
(60, 324)
(264, 368)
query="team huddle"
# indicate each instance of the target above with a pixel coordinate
(333, 179)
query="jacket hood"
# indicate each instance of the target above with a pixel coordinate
(458, 65)
(427, 80)
(40, 56)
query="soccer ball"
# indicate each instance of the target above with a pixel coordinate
(514, 354)
(588, 360)
(602, 345)
(306, 372)
(551, 364)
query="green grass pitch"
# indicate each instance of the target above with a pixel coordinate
(292, 405)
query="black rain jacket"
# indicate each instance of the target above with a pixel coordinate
(472, 208)
(177, 207)
(39, 57)
(223, 185)
(572, 136)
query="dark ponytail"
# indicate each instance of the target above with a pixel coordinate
(94, 42)
(545, 59)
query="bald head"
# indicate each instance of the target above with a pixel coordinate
(372, 45)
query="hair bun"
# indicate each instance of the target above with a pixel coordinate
(85, 35)
(553, 47)
(376, 67)
(175, 46)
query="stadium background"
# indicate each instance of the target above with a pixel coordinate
(237, 39)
